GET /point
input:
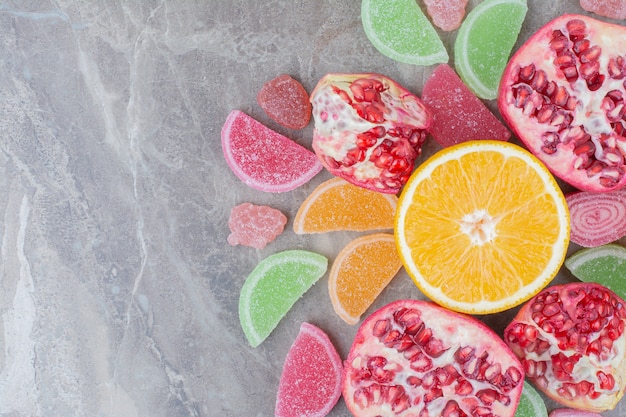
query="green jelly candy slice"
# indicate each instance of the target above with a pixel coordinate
(484, 43)
(604, 264)
(273, 287)
(400, 30)
(531, 404)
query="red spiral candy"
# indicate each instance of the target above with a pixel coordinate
(597, 218)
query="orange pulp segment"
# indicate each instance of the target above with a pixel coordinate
(482, 226)
(360, 272)
(338, 205)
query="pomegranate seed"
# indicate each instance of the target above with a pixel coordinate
(487, 396)
(380, 328)
(590, 54)
(576, 28)
(606, 380)
(527, 73)
(581, 46)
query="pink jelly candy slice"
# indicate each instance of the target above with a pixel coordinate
(446, 14)
(264, 159)
(597, 218)
(458, 115)
(255, 226)
(570, 412)
(310, 384)
(285, 101)
(614, 9)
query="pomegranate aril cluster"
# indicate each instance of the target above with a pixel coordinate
(462, 372)
(566, 112)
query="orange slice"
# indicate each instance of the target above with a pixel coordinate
(338, 205)
(482, 226)
(360, 272)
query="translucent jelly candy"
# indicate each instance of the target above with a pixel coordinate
(273, 287)
(264, 159)
(338, 205)
(310, 384)
(614, 9)
(604, 264)
(360, 272)
(531, 404)
(446, 14)
(458, 115)
(597, 218)
(484, 43)
(255, 226)
(400, 30)
(286, 102)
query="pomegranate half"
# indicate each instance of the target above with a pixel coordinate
(413, 358)
(570, 339)
(563, 93)
(369, 130)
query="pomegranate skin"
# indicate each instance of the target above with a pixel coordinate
(414, 358)
(562, 93)
(369, 130)
(570, 339)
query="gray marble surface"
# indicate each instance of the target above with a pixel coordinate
(118, 290)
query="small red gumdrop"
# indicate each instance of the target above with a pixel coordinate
(597, 218)
(614, 9)
(446, 14)
(458, 115)
(286, 102)
(255, 226)
(310, 384)
(264, 159)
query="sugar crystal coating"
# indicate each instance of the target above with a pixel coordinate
(458, 115)
(446, 14)
(264, 159)
(310, 383)
(255, 226)
(614, 9)
(286, 101)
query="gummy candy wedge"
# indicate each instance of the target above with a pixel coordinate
(605, 265)
(531, 404)
(310, 384)
(484, 43)
(458, 115)
(273, 287)
(401, 31)
(264, 159)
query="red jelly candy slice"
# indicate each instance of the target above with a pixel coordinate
(458, 115)
(286, 102)
(614, 9)
(446, 14)
(264, 159)
(310, 384)
(597, 218)
(255, 226)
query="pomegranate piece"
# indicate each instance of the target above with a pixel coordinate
(563, 94)
(310, 383)
(570, 339)
(597, 218)
(446, 14)
(570, 412)
(458, 115)
(614, 9)
(368, 129)
(255, 226)
(286, 102)
(414, 358)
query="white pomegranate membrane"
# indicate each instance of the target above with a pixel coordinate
(414, 358)
(368, 129)
(571, 341)
(564, 93)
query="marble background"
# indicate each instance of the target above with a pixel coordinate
(118, 291)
